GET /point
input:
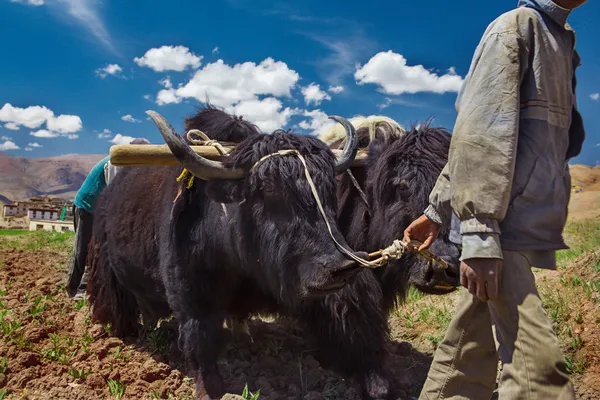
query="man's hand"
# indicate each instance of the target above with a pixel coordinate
(422, 229)
(481, 276)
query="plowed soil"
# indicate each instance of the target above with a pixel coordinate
(53, 351)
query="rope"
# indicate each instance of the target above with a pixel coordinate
(393, 252)
(362, 194)
(203, 140)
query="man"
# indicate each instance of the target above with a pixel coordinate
(83, 214)
(507, 181)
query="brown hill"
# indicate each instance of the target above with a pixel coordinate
(61, 176)
(586, 176)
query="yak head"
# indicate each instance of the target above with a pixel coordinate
(401, 175)
(283, 239)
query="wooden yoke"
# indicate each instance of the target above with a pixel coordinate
(128, 155)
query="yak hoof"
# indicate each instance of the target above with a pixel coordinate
(377, 387)
(209, 387)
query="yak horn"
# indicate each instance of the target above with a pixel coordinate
(350, 149)
(194, 163)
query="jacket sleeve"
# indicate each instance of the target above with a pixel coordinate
(483, 148)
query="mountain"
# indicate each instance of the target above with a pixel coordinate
(22, 178)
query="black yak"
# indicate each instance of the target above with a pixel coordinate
(245, 237)
(378, 200)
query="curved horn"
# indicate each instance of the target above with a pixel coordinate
(196, 164)
(350, 149)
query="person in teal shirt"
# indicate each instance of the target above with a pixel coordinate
(83, 214)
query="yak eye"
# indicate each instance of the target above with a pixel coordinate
(268, 187)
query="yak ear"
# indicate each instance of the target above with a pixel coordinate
(225, 191)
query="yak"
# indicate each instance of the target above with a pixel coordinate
(232, 238)
(378, 200)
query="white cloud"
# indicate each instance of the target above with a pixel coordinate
(64, 124)
(105, 134)
(43, 133)
(121, 139)
(110, 69)
(29, 2)
(313, 94)
(87, 14)
(28, 149)
(319, 122)
(167, 96)
(215, 50)
(336, 89)
(12, 126)
(35, 116)
(267, 113)
(8, 145)
(595, 96)
(391, 73)
(227, 85)
(34, 144)
(5, 138)
(129, 118)
(31, 117)
(72, 136)
(169, 58)
(148, 97)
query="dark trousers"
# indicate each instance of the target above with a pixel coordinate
(83, 224)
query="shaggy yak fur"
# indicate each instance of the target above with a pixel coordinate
(223, 249)
(400, 172)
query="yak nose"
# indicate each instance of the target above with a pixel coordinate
(348, 269)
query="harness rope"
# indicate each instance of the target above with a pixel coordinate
(393, 252)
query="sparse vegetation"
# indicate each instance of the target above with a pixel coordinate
(248, 395)
(116, 388)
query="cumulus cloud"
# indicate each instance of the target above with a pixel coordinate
(105, 134)
(336, 89)
(34, 144)
(313, 94)
(43, 133)
(595, 96)
(29, 2)
(317, 123)
(239, 89)
(8, 145)
(30, 117)
(64, 124)
(267, 113)
(169, 58)
(129, 118)
(34, 117)
(121, 139)
(110, 69)
(390, 72)
(12, 126)
(227, 85)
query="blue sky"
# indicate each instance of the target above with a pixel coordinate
(77, 75)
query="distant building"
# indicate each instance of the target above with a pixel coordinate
(39, 207)
(51, 226)
(43, 214)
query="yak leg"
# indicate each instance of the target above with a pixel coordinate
(201, 341)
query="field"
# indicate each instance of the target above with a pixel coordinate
(49, 347)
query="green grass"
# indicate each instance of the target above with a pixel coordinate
(13, 232)
(116, 388)
(581, 236)
(37, 240)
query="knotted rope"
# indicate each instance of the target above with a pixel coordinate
(203, 140)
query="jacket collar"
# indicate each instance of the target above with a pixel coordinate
(551, 9)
